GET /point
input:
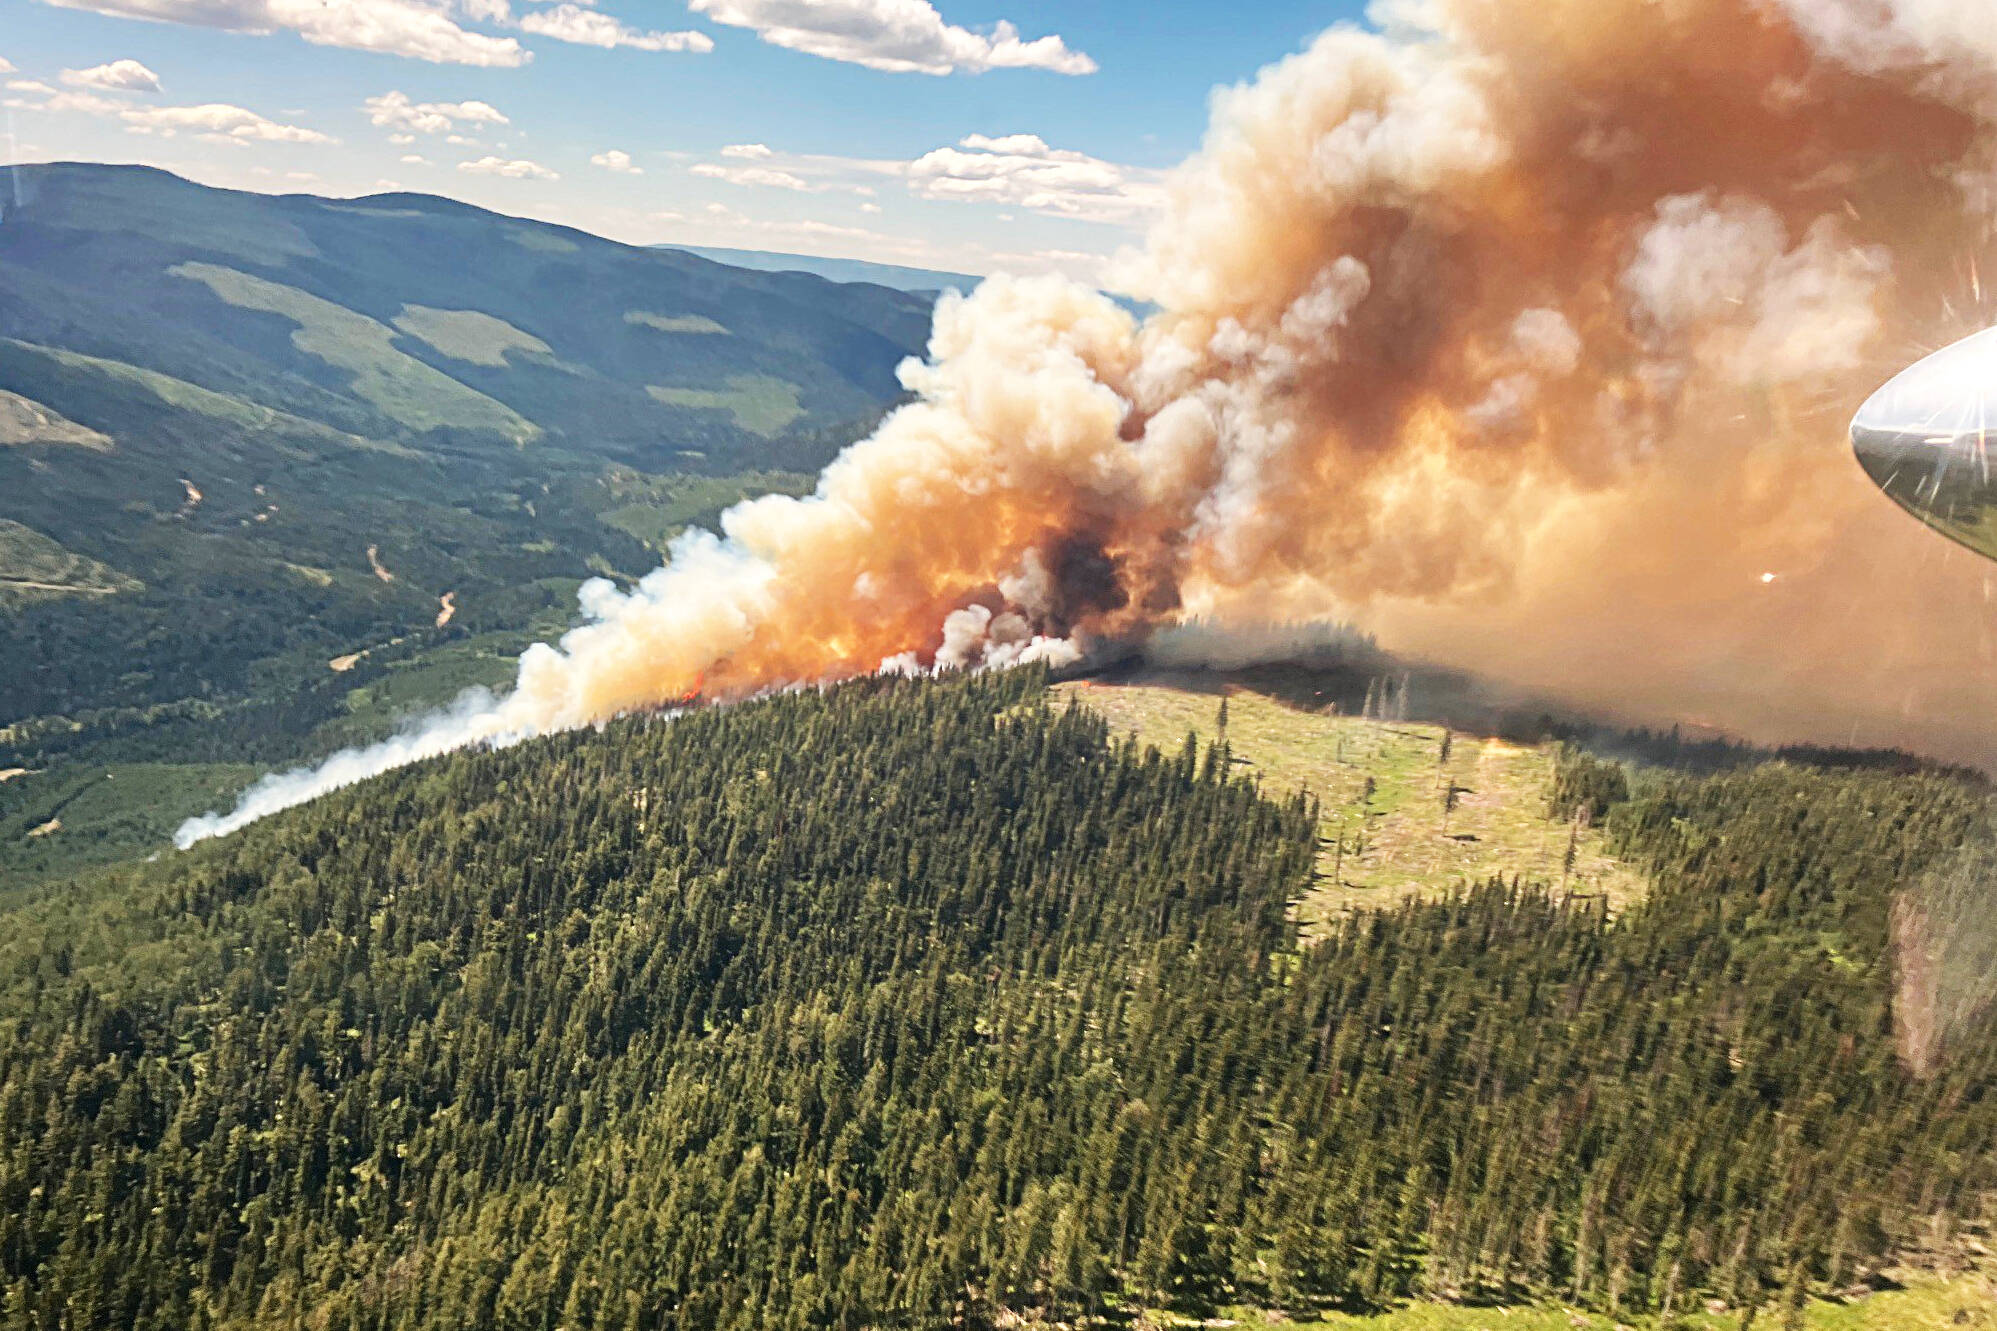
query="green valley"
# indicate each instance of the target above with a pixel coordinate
(252, 447)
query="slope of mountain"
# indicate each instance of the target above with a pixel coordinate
(274, 471)
(837, 270)
(925, 1003)
(412, 317)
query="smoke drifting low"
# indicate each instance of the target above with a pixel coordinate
(1523, 332)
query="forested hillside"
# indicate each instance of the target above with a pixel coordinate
(413, 317)
(915, 1004)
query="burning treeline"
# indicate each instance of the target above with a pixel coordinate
(1524, 331)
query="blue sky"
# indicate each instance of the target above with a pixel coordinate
(812, 126)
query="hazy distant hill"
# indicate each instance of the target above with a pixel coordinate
(924, 281)
(249, 445)
(836, 270)
(408, 316)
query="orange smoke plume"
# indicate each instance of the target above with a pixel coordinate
(1523, 331)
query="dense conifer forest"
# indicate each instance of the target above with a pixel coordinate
(918, 1004)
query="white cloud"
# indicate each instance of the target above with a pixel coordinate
(520, 169)
(30, 86)
(117, 76)
(616, 161)
(1022, 170)
(812, 227)
(899, 36)
(413, 28)
(870, 207)
(756, 164)
(396, 111)
(766, 176)
(414, 159)
(807, 227)
(216, 120)
(586, 27)
(6, 66)
(84, 103)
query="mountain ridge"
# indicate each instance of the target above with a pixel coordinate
(85, 251)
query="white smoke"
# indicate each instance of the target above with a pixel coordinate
(465, 722)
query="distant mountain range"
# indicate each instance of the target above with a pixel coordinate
(836, 270)
(406, 315)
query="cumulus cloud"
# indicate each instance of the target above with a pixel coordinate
(217, 120)
(415, 159)
(214, 120)
(1022, 170)
(518, 169)
(767, 176)
(117, 76)
(396, 111)
(6, 65)
(899, 36)
(411, 28)
(586, 27)
(1014, 170)
(52, 101)
(617, 162)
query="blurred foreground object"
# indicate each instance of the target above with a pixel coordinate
(1923, 439)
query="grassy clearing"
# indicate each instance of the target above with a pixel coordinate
(675, 323)
(394, 383)
(1382, 786)
(25, 421)
(33, 566)
(431, 679)
(467, 335)
(191, 397)
(657, 508)
(759, 403)
(103, 815)
(1927, 1303)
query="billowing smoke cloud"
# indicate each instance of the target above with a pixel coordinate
(1524, 333)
